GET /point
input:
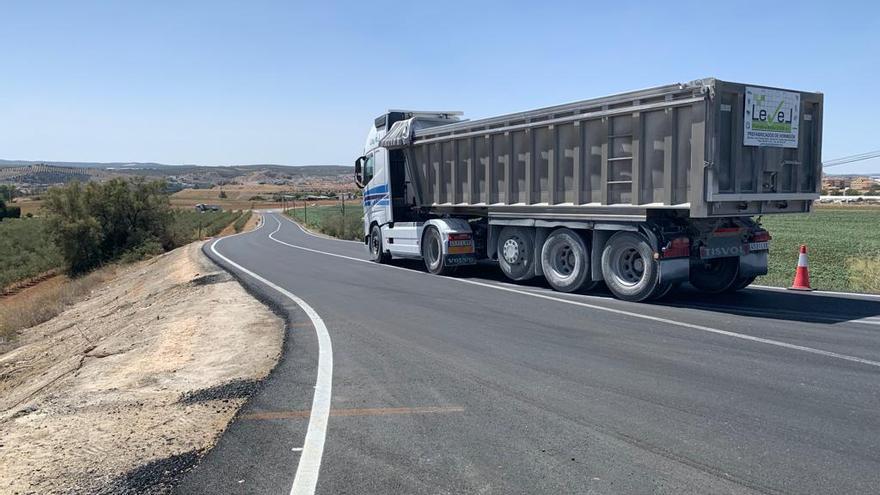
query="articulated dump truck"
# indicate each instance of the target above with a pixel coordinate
(642, 190)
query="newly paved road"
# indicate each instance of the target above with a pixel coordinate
(473, 385)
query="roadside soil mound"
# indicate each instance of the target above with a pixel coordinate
(126, 389)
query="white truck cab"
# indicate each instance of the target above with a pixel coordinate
(390, 227)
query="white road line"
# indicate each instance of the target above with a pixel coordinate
(313, 448)
(726, 333)
(858, 295)
(740, 310)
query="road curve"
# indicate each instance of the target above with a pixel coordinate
(474, 385)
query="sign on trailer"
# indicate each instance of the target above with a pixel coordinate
(771, 118)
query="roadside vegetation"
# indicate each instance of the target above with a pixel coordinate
(843, 245)
(328, 219)
(85, 231)
(26, 250)
(239, 224)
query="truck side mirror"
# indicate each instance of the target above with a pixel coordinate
(359, 171)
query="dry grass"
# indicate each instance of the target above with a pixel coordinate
(28, 205)
(237, 197)
(46, 300)
(865, 272)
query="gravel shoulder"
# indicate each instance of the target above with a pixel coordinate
(127, 389)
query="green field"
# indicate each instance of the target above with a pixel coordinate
(26, 250)
(843, 244)
(328, 219)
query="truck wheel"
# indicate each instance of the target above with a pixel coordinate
(376, 253)
(741, 283)
(432, 252)
(629, 268)
(714, 276)
(565, 261)
(515, 248)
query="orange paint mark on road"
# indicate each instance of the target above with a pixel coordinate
(375, 411)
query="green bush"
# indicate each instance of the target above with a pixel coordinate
(242, 220)
(9, 211)
(26, 250)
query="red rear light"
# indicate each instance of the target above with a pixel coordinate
(677, 248)
(761, 236)
(459, 237)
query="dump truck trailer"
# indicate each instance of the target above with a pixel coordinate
(642, 190)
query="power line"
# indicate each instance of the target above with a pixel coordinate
(850, 159)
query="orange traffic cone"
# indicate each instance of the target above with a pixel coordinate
(802, 274)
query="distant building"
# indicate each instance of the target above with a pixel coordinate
(863, 184)
(834, 184)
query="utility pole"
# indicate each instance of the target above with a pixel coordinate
(343, 215)
(306, 212)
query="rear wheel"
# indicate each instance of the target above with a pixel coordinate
(629, 268)
(714, 276)
(432, 252)
(377, 254)
(516, 245)
(741, 283)
(565, 261)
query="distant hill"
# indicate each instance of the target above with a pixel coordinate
(36, 173)
(184, 168)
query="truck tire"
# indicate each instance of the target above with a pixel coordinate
(741, 283)
(375, 246)
(565, 261)
(432, 252)
(714, 276)
(629, 268)
(516, 246)
(664, 290)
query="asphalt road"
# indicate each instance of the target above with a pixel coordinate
(474, 385)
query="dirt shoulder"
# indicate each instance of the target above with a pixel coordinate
(127, 388)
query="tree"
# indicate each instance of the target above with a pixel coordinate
(97, 222)
(222, 194)
(7, 192)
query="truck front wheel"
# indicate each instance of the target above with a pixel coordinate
(516, 246)
(377, 254)
(565, 261)
(629, 268)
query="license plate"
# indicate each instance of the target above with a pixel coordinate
(759, 246)
(455, 260)
(461, 249)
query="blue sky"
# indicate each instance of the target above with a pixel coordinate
(217, 83)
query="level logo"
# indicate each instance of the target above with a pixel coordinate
(771, 118)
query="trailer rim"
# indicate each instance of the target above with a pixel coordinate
(565, 260)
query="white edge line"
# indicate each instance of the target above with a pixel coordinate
(858, 295)
(309, 466)
(658, 319)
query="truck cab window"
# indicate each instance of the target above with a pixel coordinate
(369, 167)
